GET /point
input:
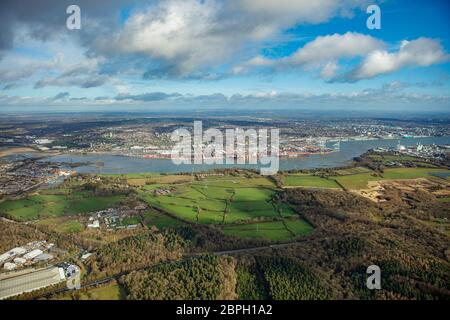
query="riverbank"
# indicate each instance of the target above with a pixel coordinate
(121, 164)
(8, 151)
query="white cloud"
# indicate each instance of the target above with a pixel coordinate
(376, 99)
(323, 53)
(329, 70)
(328, 48)
(422, 52)
(186, 36)
(13, 68)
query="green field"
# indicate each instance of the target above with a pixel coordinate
(62, 225)
(360, 181)
(161, 221)
(130, 220)
(299, 227)
(274, 230)
(211, 203)
(234, 202)
(305, 180)
(56, 205)
(355, 170)
(108, 292)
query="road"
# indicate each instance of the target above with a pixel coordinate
(273, 246)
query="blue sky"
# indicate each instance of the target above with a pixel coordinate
(213, 53)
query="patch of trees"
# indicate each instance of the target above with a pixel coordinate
(423, 280)
(18, 234)
(250, 280)
(200, 278)
(210, 238)
(136, 252)
(395, 235)
(378, 160)
(15, 234)
(280, 278)
(331, 199)
(103, 190)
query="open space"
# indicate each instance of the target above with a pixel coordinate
(56, 205)
(306, 180)
(274, 231)
(360, 181)
(218, 200)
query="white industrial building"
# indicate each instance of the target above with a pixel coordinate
(12, 253)
(18, 284)
(33, 254)
(43, 257)
(30, 253)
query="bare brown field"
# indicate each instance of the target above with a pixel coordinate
(375, 190)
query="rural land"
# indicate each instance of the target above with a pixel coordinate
(234, 234)
(224, 157)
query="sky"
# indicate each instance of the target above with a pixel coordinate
(195, 54)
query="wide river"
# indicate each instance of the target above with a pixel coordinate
(107, 163)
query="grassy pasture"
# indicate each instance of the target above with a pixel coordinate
(161, 221)
(299, 227)
(111, 291)
(354, 170)
(305, 180)
(234, 203)
(217, 199)
(131, 220)
(356, 181)
(62, 225)
(359, 181)
(56, 205)
(203, 203)
(411, 173)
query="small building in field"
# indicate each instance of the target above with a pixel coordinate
(86, 256)
(95, 224)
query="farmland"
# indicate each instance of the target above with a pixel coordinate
(359, 181)
(305, 180)
(62, 224)
(245, 205)
(235, 203)
(357, 178)
(216, 201)
(55, 205)
(159, 220)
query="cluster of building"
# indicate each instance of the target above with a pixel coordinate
(112, 219)
(29, 280)
(28, 174)
(431, 151)
(162, 192)
(31, 253)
